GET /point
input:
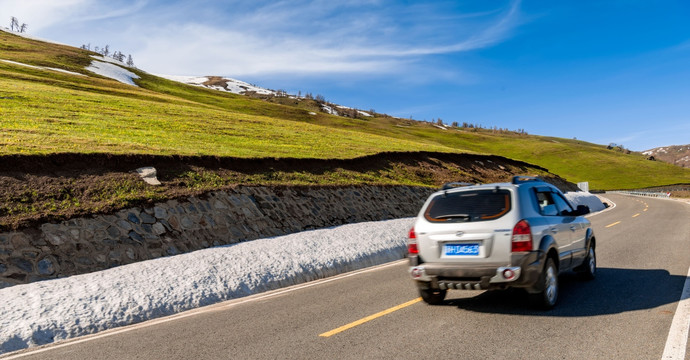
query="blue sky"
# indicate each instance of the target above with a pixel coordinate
(613, 71)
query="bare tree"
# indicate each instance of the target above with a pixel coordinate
(22, 29)
(130, 61)
(14, 23)
(106, 50)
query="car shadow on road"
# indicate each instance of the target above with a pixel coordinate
(613, 291)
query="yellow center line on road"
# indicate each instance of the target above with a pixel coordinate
(369, 318)
(636, 215)
(614, 224)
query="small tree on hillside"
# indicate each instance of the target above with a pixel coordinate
(14, 23)
(22, 29)
(130, 61)
(119, 56)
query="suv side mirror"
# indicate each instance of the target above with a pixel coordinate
(582, 210)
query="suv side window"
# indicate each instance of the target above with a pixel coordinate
(563, 208)
(547, 205)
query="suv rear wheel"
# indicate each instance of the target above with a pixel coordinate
(548, 283)
(432, 296)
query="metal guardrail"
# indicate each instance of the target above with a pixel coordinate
(655, 194)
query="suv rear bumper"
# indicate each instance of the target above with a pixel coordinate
(523, 272)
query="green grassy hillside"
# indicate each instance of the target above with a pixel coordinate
(44, 111)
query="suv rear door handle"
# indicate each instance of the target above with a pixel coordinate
(554, 230)
(572, 227)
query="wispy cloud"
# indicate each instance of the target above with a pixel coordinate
(304, 37)
(323, 37)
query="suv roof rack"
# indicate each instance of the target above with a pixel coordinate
(520, 179)
(452, 185)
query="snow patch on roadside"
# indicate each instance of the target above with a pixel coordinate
(47, 311)
(585, 198)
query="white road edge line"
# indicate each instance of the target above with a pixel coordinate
(215, 307)
(677, 340)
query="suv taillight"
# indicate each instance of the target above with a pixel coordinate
(412, 242)
(522, 237)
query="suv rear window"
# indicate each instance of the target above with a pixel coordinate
(472, 205)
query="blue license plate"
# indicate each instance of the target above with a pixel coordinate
(461, 249)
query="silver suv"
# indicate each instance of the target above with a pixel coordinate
(494, 236)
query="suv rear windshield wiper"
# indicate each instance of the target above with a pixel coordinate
(454, 216)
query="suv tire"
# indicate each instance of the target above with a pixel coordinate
(548, 283)
(432, 296)
(588, 269)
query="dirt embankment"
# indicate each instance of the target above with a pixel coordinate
(36, 189)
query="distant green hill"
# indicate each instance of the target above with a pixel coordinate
(44, 111)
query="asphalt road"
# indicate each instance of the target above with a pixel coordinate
(643, 249)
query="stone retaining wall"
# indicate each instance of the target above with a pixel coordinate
(95, 243)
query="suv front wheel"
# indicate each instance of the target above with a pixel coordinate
(588, 269)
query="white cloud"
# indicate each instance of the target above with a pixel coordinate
(40, 14)
(207, 51)
(272, 39)
(269, 37)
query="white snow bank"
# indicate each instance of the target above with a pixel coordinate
(585, 198)
(47, 311)
(111, 70)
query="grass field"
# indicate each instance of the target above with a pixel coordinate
(44, 111)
